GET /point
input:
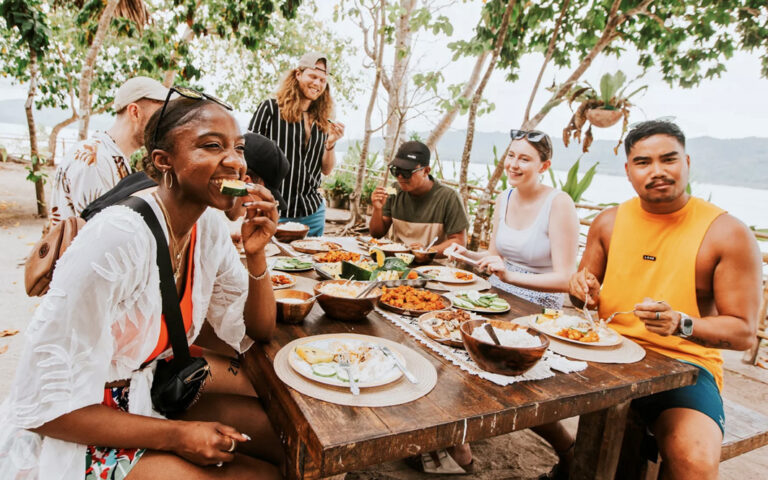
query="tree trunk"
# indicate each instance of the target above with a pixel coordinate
(609, 34)
(378, 41)
(397, 88)
(42, 209)
(502, 35)
(53, 138)
(86, 76)
(445, 122)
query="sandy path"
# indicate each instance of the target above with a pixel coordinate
(521, 455)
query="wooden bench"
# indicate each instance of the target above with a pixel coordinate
(745, 430)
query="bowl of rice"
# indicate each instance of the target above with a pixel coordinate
(521, 347)
(337, 299)
(289, 231)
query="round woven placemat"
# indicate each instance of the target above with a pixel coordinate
(625, 352)
(398, 392)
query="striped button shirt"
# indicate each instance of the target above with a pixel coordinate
(300, 187)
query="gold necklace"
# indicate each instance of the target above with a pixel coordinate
(179, 258)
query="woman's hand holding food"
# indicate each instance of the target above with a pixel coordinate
(207, 443)
(260, 219)
(583, 283)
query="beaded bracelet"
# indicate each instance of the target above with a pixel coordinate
(260, 277)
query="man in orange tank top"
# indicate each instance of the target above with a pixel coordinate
(690, 274)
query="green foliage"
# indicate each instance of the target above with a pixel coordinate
(33, 175)
(611, 95)
(28, 18)
(686, 40)
(574, 187)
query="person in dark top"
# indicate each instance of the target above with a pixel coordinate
(299, 121)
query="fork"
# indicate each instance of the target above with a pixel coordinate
(610, 317)
(344, 363)
(585, 310)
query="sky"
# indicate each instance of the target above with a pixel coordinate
(733, 106)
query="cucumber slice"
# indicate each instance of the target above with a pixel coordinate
(324, 369)
(235, 188)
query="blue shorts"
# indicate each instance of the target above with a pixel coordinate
(703, 396)
(315, 221)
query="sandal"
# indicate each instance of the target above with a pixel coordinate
(439, 462)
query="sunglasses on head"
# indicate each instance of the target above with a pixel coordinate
(532, 135)
(406, 174)
(190, 93)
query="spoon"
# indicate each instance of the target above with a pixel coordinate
(488, 328)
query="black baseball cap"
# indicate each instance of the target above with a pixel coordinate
(411, 155)
(265, 159)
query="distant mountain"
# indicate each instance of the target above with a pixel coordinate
(740, 162)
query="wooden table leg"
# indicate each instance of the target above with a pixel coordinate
(598, 443)
(298, 463)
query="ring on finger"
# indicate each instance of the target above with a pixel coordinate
(658, 315)
(220, 464)
(234, 444)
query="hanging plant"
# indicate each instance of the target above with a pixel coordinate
(603, 108)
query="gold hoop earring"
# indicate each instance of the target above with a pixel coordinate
(168, 185)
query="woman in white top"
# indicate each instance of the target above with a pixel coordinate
(534, 243)
(81, 385)
(535, 227)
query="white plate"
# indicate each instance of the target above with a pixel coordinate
(383, 372)
(287, 285)
(445, 274)
(608, 337)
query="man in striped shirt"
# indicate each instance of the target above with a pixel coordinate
(299, 121)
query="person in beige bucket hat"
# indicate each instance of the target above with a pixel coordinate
(95, 165)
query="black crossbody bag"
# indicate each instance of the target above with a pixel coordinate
(178, 382)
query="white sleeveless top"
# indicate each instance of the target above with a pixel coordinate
(528, 248)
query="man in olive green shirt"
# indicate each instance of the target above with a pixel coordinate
(422, 208)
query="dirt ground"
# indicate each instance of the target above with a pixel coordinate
(521, 455)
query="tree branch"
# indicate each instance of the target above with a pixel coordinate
(547, 58)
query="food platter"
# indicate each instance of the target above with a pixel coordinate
(436, 324)
(282, 280)
(314, 245)
(473, 301)
(334, 256)
(554, 326)
(370, 366)
(447, 274)
(427, 299)
(290, 264)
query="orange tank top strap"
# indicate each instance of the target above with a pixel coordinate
(654, 256)
(185, 304)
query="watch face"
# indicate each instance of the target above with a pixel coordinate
(686, 326)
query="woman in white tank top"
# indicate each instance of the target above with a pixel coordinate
(533, 250)
(535, 236)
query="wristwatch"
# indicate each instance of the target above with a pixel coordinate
(685, 329)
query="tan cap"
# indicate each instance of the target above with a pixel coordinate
(137, 88)
(309, 59)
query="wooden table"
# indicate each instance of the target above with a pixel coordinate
(323, 439)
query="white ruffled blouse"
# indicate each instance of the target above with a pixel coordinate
(98, 322)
